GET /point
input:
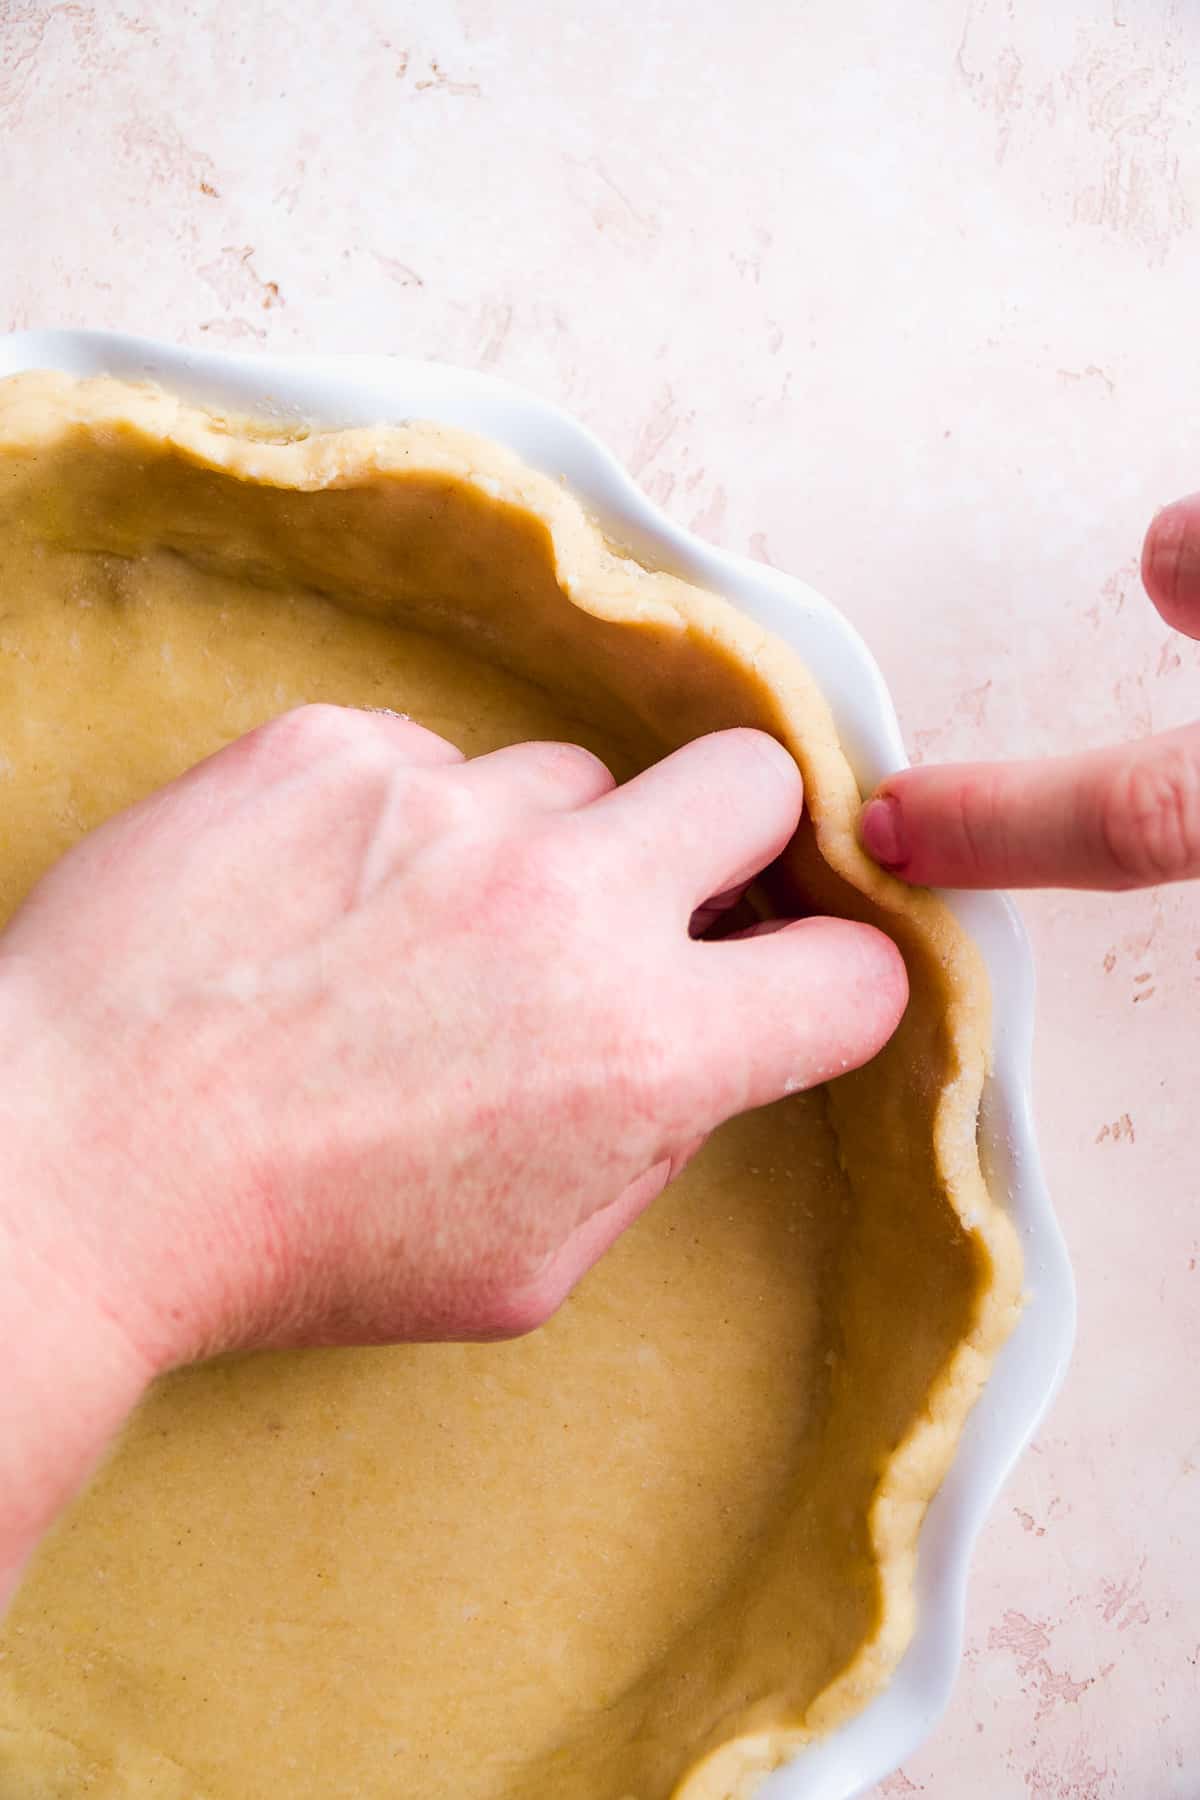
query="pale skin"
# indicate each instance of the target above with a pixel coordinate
(342, 1038)
(1124, 817)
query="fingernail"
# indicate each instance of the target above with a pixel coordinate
(882, 832)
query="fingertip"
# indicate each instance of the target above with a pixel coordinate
(948, 826)
(768, 755)
(876, 970)
(1171, 564)
(776, 755)
(892, 982)
(882, 832)
(825, 994)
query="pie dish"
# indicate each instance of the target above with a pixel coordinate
(705, 1481)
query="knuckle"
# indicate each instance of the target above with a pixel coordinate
(975, 820)
(531, 892)
(573, 762)
(1150, 817)
(310, 731)
(523, 1306)
(427, 808)
(441, 804)
(544, 872)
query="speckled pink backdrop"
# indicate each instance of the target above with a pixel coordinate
(902, 298)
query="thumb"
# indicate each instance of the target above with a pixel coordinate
(1124, 817)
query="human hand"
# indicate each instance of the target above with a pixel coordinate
(341, 1038)
(1124, 817)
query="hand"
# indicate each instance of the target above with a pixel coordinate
(341, 1038)
(1120, 818)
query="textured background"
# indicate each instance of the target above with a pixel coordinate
(901, 298)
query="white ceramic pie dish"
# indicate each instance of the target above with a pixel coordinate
(362, 390)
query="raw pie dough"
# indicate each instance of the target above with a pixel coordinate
(652, 1548)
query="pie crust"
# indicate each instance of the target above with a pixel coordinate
(652, 1549)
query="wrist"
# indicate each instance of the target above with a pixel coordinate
(71, 1379)
(72, 1370)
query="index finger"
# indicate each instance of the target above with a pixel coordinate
(1124, 817)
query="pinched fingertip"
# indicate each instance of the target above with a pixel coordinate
(882, 832)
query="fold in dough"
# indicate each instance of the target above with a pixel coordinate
(651, 1549)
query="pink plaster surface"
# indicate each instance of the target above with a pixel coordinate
(901, 298)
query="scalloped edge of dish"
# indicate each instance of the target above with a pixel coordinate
(367, 390)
